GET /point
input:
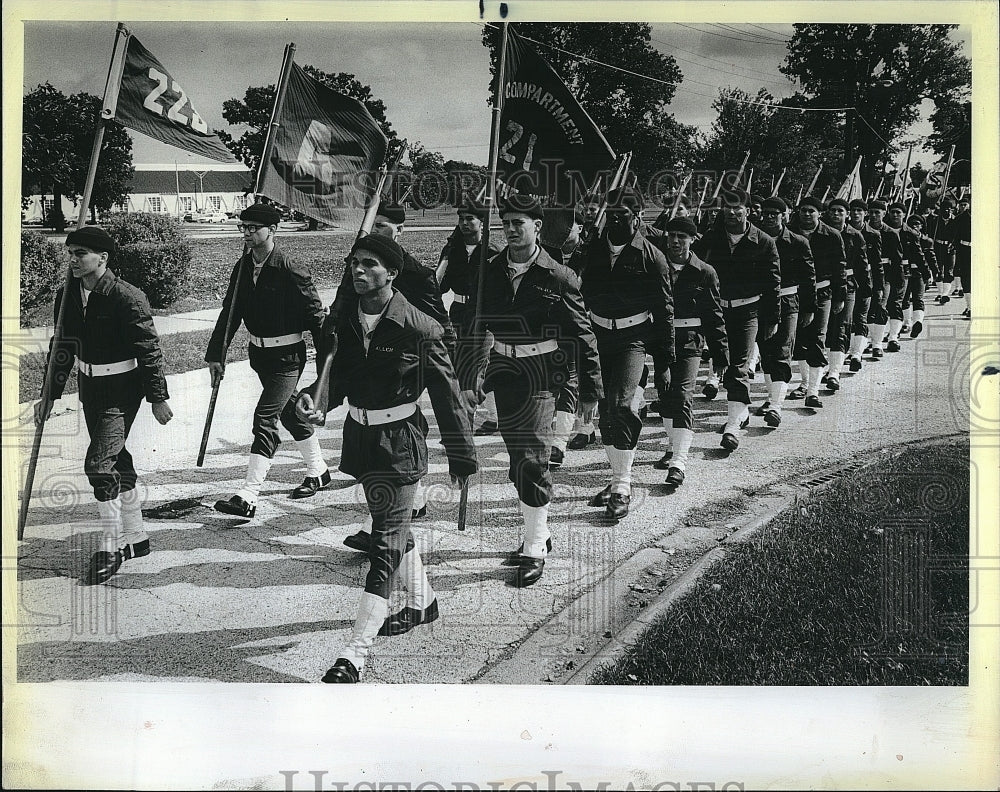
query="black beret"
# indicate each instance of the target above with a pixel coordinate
(682, 225)
(735, 197)
(473, 207)
(625, 198)
(915, 218)
(93, 237)
(812, 201)
(522, 204)
(897, 205)
(393, 213)
(858, 203)
(838, 202)
(262, 213)
(880, 205)
(756, 199)
(774, 202)
(385, 248)
(947, 202)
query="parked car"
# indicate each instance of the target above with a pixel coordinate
(215, 217)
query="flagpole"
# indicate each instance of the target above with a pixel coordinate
(680, 194)
(111, 89)
(774, 190)
(701, 200)
(812, 184)
(944, 192)
(279, 100)
(906, 175)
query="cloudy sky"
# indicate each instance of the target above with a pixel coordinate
(432, 77)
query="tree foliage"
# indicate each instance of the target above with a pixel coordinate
(254, 112)
(884, 71)
(631, 111)
(57, 144)
(952, 123)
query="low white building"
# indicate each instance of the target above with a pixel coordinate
(169, 189)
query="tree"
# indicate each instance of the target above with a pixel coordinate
(631, 111)
(952, 122)
(254, 111)
(880, 72)
(57, 143)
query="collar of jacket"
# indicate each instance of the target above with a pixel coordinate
(638, 242)
(272, 258)
(395, 311)
(105, 284)
(543, 259)
(821, 228)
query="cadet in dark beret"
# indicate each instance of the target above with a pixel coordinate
(390, 253)
(275, 297)
(858, 203)
(522, 204)
(108, 331)
(813, 201)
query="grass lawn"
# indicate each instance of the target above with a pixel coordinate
(865, 583)
(210, 268)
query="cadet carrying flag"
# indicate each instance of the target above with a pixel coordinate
(326, 152)
(151, 101)
(548, 143)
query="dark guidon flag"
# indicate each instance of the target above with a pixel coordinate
(326, 154)
(548, 143)
(152, 102)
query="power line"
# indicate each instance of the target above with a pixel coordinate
(754, 37)
(723, 35)
(706, 57)
(717, 69)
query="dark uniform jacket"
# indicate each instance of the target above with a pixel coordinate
(547, 305)
(117, 326)
(797, 269)
(892, 252)
(748, 269)
(406, 355)
(283, 301)
(639, 281)
(876, 271)
(830, 260)
(929, 258)
(856, 250)
(913, 253)
(458, 276)
(695, 288)
(959, 233)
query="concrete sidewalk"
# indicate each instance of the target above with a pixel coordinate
(273, 599)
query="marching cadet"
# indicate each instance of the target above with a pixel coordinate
(912, 262)
(698, 322)
(274, 296)
(870, 290)
(533, 308)
(959, 233)
(108, 328)
(626, 287)
(459, 260)
(388, 353)
(892, 277)
(838, 332)
(798, 303)
(830, 261)
(919, 277)
(419, 285)
(746, 261)
(944, 251)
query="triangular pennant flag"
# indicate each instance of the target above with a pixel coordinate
(326, 154)
(153, 103)
(548, 143)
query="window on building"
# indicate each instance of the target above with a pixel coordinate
(214, 203)
(187, 203)
(155, 203)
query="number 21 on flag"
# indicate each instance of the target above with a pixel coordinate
(517, 133)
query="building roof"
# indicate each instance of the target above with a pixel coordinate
(162, 182)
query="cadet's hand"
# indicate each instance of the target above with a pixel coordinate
(837, 307)
(217, 372)
(305, 408)
(805, 319)
(43, 410)
(470, 399)
(770, 331)
(162, 412)
(587, 410)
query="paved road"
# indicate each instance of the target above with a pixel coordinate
(273, 599)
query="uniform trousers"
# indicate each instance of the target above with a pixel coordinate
(391, 505)
(946, 262)
(108, 464)
(838, 330)
(662, 371)
(859, 319)
(913, 295)
(277, 401)
(524, 416)
(679, 399)
(810, 340)
(895, 283)
(622, 364)
(741, 331)
(776, 351)
(963, 266)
